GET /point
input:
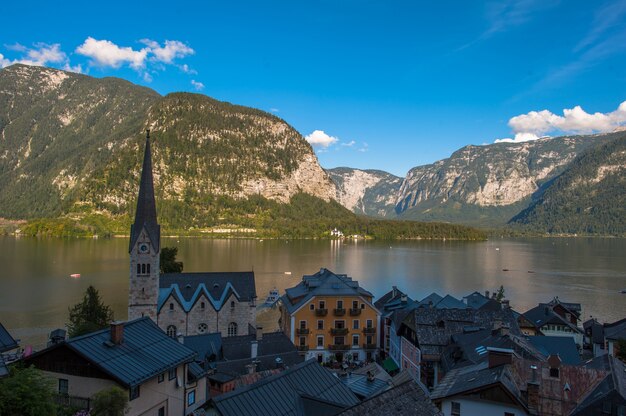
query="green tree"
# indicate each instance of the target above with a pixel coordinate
(26, 392)
(500, 294)
(110, 402)
(168, 260)
(89, 315)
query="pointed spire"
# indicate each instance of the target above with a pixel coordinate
(146, 216)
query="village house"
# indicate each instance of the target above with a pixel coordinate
(330, 317)
(157, 372)
(182, 303)
(608, 397)
(557, 318)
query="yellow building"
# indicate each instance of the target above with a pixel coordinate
(329, 317)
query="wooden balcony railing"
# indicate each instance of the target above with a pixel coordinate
(338, 347)
(369, 330)
(355, 311)
(302, 331)
(339, 312)
(321, 312)
(338, 331)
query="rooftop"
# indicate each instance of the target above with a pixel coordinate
(7, 342)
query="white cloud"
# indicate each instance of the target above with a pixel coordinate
(106, 53)
(321, 139)
(274, 110)
(349, 144)
(535, 124)
(364, 148)
(171, 50)
(197, 85)
(76, 68)
(41, 54)
(185, 68)
(3, 61)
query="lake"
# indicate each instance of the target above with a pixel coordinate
(36, 289)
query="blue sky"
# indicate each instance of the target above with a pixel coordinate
(374, 84)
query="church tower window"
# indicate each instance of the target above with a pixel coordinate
(171, 331)
(232, 329)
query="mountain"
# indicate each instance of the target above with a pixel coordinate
(367, 192)
(488, 185)
(587, 198)
(71, 148)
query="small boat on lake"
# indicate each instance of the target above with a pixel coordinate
(75, 275)
(273, 297)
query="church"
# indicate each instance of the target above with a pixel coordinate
(182, 303)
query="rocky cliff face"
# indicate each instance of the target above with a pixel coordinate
(487, 182)
(368, 192)
(69, 141)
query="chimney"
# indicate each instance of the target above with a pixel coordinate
(254, 349)
(370, 376)
(506, 304)
(259, 333)
(117, 332)
(404, 299)
(532, 390)
(499, 356)
(487, 294)
(394, 291)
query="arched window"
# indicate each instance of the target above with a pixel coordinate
(138, 268)
(232, 303)
(171, 331)
(202, 328)
(232, 329)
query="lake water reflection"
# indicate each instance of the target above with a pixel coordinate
(36, 288)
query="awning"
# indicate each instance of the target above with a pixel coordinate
(390, 365)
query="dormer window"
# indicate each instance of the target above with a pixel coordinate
(232, 303)
(202, 306)
(171, 306)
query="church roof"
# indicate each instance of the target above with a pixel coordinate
(146, 216)
(215, 286)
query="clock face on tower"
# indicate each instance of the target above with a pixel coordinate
(143, 248)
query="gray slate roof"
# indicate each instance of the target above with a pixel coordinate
(543, 314)
(146, 216)
(616, 330)
(187, 288)
(292, 392)
(564, 347)
(407, 399)
(614, 382)
(321, 283)
(208, 347)
(6, 340)
(145, 352)
(362, 387)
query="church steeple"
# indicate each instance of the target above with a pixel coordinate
(145, 247)
(145, 216)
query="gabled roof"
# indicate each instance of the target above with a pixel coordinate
(614, 382)
(392, 300)
(479, 377)
(322, 283)
(187, 288)
(543, 314)
(283, 394)
(476, 300)
(407, 399)
(208, 347)
(146, 216)
(431, 299)
(239, 347)
(6, 340)
(145, 352)
(450, 302)
(564, 347)
(616, 330)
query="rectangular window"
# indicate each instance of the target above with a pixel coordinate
(362, 306)
(340, 304)
(320, 341)
(161, 377)
(322, 304)
(368, 323)
(355, 324)
(369, 339)
(134, 393)
(302, 341)
(339, 341)
(355, 304)
(340, 324)
(312, 307)
(161, 411)
(64, 387)
(355, 340)
(171, 374)
(302, 324)
(320, 324)
(191, 397)
(456, 409)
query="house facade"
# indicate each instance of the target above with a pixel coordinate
(136, 356)
(329, 317)
(181, 303)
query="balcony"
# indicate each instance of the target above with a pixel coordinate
(355, 311)
(369, 330)
(338, 331)
(321, 312)
(369, 346)
(302, 331)
(338, 347)
(302, 348)
(339, 312)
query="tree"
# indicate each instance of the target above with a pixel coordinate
(89, 315)
(168, 260)
(110, 402)
(500, 294)
(26, 392)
